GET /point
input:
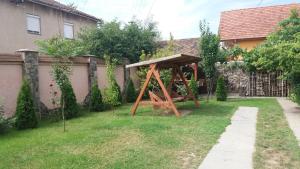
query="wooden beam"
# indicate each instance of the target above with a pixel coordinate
(166, 94)
(187, 86)
(174, 76)
(195, 67)
(148, 78)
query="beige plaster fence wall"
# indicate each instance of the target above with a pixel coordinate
(79, 80)
(12, 73)
(10, 83)
(102, 77)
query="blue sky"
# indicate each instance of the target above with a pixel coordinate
(181, 17)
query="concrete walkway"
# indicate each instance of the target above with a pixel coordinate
(236, 145)
(292, 113)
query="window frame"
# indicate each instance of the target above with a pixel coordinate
(40, 25)
(73, 33)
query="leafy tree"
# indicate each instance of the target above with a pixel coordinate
(113, 96)
(221, 92)
(280, 52)
(222, 56)
(63, 50)
(59, 47)
(193, 85)
(96, 103)
(131, 94)
(25, 112)
(166, 74)
(208, 49)
(121, 41)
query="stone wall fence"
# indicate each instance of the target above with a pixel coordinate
(243, 83)
(86, 70)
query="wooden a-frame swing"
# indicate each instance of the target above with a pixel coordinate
(174, 63)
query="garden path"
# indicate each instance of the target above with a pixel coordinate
(236, 145)
(292, 113)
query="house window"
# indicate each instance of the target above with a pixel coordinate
(33, 24)
(68, 30)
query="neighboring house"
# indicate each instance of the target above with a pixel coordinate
(186, 46)
(249, 27)
(25, 21)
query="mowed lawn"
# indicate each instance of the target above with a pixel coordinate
(148, 140)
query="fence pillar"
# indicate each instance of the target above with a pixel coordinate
(31, 73)
(93, 78)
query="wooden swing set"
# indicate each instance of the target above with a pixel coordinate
(174, 63)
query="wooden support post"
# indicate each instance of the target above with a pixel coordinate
(169, 88)
(187, 86)
(195, 71)
(166, 94)
(149, 75)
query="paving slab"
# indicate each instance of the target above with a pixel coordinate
(292, 113)
(236, 145)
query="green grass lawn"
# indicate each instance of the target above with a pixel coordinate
(148, 140)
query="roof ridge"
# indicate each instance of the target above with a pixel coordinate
(180, 39)
(63, 7)
(260, 7)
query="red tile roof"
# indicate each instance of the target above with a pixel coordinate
(186, 46)
(56, 5)
(252, 22)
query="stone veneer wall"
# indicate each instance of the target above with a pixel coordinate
(246, 83)
(237, 79)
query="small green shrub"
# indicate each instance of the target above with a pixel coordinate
(112, 95)
(193, 85)
(221, 92)
(96, 103)
(68, 101)
(130, 92)
(25, 112)
(297, 93)
(295, 81)
(5, 123)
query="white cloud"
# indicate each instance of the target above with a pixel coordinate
(181, 17)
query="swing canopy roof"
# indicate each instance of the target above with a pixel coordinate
(168, 61)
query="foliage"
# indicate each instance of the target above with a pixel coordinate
(208, 49)
(63, 50)
(294, 78)
(121, 41)
(112, 94)
(280, 52)
(25, 112)
(232, 65)
(96, 103)
(221, 92)
(235, 52)
(60, 47)
(165, 74)
(68, 101)
(194, 86)
(222, 55)
(5, 123)
(131, 94)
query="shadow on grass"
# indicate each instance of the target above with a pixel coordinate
(205, 109)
